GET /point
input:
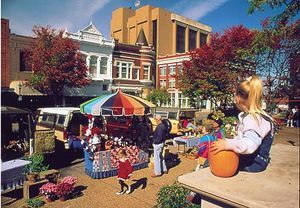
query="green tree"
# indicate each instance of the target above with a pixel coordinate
(55, 62)
(290, 10)
(159, 97)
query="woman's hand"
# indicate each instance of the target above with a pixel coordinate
(218, 146)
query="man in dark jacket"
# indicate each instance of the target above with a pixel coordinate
(159, 137)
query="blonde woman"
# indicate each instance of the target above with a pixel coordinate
(255, 130)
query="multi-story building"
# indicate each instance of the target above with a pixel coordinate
(168, 32)
(97, 51)
(168, 68)
(133, 67)
(171, 35)
(15, 74)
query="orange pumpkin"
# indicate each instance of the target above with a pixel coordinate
(224, 163)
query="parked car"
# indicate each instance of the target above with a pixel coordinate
(176, 116)
(66, 121)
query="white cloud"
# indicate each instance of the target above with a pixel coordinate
(79, 12)
(201, 8)
(70, 14)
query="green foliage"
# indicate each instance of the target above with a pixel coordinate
(158, 97)
(289, 8)
(218, 115)
(37, 164)
(230, 120)
(33, 203)
(173, 196)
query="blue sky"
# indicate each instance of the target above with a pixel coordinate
(77, 14)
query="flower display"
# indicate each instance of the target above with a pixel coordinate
(64, 189)
(48, 190)
(70, 180)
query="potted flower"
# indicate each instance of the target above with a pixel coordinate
(70, 180)
(49, 190)
(64, 189)
(35, 166)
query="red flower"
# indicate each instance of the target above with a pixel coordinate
(64, 189)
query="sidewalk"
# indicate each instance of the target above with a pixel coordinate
(102, 192)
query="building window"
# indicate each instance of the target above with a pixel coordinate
(146, 72)
(172, 70)
(183, 101)
(180, 69)
(154, 37)
(103, 65)
(104, 87)
(192, 39)
(135, 74)
(163, 70)
(23, 65)
(124, 70)
(203, 39)
(162, 84)
(180, 39)
(172, 101)
(93, 66)
(172, 83)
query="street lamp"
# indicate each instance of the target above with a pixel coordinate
(20, 91)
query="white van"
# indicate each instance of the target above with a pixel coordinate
(64, 120)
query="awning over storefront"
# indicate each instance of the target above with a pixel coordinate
(20, 88)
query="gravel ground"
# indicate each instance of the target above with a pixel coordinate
(102, 192)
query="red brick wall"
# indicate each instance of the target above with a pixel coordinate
(5, 53)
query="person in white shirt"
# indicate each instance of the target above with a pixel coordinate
(255, 130)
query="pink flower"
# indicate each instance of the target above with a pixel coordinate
(48, 190)
(70, 180)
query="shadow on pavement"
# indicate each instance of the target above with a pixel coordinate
(171, 160)
(140, 182)
(78, 192)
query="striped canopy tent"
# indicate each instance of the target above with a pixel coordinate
(117, 104)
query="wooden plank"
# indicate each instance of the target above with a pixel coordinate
(278, 186)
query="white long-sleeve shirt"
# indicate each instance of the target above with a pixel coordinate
(250, 134)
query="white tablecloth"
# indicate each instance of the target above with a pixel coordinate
(190, 142)
(12, 174)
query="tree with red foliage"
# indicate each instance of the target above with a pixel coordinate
(55, 62)
(274, 50)
(213, 70)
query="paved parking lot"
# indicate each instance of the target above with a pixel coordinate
(101, 192)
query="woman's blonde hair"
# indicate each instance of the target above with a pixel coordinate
(251, 90)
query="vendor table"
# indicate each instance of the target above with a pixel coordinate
(277, 186)
(12, 174)
(186, 142)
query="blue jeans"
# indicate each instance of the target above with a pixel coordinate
(159, 161)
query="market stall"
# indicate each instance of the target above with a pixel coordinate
(100, 149)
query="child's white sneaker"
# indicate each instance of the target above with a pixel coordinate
(129, 190)
(120, 192)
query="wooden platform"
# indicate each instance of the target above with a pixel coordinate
(278, 186)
